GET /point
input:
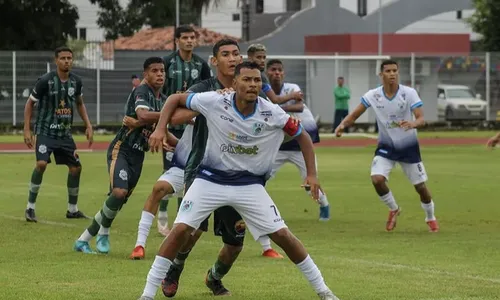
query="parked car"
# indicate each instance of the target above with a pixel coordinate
(458, 102)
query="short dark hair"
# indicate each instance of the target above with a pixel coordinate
(246, 65)
(273, 62)
(62, 49)
(183, 29)
(253, 48)
(134, 76)
(152, 60)
(386, 63)
(223, 42)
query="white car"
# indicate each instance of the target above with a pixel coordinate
(457, 102)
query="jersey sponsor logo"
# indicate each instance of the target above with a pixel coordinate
(226, 118)
(146, 132)
(238, 149)
(266, 113)
(59, 126)
(258, 128)
(238, 137)
(137, 146)
(63, 112)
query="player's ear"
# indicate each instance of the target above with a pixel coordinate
(213, 61)
(241, 59)
(234, 83)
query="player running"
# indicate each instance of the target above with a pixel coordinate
(57, 94)
(240, 166)
(395, 105)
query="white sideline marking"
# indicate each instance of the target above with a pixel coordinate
(59, 224)
(417, 269)
(354, 134)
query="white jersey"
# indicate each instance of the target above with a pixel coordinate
(395, 143)
(183, 148)
(240, 149)
(306, 118)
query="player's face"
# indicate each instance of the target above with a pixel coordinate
(259, 57)
(187, 41)
(227, 59)
(248, 84)
(390, 74)
(155, 75)
(275, 73)
(64, 61)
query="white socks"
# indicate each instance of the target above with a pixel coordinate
(85, 237)
(156, 274)
(72, 208)
(389, 200)
(429, 211)
(103, 231)
(31, 205)
(265, 241)
(313, 275)
(163, 218)
(144, 226)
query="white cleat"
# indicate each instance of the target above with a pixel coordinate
(328, 295)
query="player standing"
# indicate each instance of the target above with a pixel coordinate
(183, 69)
(394, 105)
(126, 154)
(240, 167)
(57, 94)
(290, 151)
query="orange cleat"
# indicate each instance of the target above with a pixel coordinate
(433, 225)
(138, 253)
(271, 253)
(391, 220)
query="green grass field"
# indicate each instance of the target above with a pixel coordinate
(359, 260)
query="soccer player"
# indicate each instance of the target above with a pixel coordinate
(183, 68)
(126, 154)
(57, 94)
(257, 53)
(493, 141)
(239, 164)
(290, 151)
(395, 105)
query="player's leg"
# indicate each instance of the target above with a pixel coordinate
(43, 150)
(262, 217)
(297, 159)
(380, 171)
(418, 177)
(66, 154)
(170, 182)
(162, 212)
(201, 199)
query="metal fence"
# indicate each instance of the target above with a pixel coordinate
(452, 87)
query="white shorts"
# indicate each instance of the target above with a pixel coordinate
(414, 172)
(174, 176)
(294, 157)
(252, 202)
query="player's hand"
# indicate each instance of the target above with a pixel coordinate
(156, 140)
(298, 96)
(130, 122)
(295, 121)
(312, 184)
(89, 133)
(28, 139)
(406, 125)
(339, 130)
(493, 142)
(225, 91)
(166, 146)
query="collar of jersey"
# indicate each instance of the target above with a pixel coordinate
(393, 96)
(239, 113)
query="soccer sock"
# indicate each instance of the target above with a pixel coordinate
(162, 212)
(429, 211)
(265, 241)
(389, 200)
(219, 269)
(155, 276)
(73, 185)
(181, 258)
(323, 201)
(313, 275)
(103, 231)
(36, 181)
(144, 225)
(105, 216)
(86, 236)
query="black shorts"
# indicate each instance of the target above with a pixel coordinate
(64, 150)
(167, 156)
(228, 224)
(124, 166)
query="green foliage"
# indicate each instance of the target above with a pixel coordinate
(78, 46)
(484, 22)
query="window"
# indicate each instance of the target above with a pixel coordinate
(459, 14)
(259, 6)
(236, 17)
(293, 5)
(362, 8)
(82, 33)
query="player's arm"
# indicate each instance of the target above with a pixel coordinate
(173, 102)
(352, 117)
(183, 116)
(296, 107)
(82, 111)
(416, 108)
(36, 95)
(142, 110)
(281, 99)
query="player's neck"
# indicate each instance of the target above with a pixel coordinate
(390, 89)
(244, 107)
(227, 81)
(63, 76)
(277, 86)
(156, 91)
(186, 55)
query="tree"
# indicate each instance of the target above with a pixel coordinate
(119, 21)
(484, 22)
(36, 24)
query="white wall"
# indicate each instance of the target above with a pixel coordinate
(220, 18)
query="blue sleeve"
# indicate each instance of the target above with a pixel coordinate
(364, 102)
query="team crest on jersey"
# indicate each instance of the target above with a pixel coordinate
(42, 149)
(258, 128)
(123, 175)
(377, 96)
(186, 205)
(194, 73)
(71, 91)
(240, 227)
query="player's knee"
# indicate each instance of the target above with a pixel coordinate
(182, 230)
(421, 188)
(75, 170)
(160, 189)
(233, 250)
(378, 180)
(281, 236)
(41, 166)
(119, 193)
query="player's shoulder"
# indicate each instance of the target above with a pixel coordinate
(198, 59)
(290, 87)
(75, 77)
(169, 58)
(266, 105)
(407, 90)
(374, 93)
(141, 88)
(48, 76)
(203, 86)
